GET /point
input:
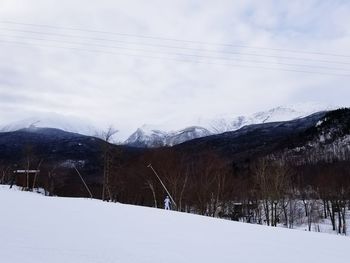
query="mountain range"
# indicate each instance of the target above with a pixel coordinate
(150, 136)
(319, 137)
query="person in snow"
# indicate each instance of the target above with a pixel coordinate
(167, 203)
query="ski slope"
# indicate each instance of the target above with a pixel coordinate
(35, 228)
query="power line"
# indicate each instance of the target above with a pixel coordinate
(174, 39)
(178, 54)
(182, 48)
(173, 59)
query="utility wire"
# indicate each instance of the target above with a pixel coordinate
(176, 54)
(174, 39)
(25, 44)
(179, 47)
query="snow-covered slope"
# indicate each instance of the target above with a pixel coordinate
(52, 120)
(186, 134)
(226, 123)
(152, 136)
(35, 228)
(148, 136)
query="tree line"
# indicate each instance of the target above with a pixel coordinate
(273, 190)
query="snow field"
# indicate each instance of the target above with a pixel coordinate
(35, 228)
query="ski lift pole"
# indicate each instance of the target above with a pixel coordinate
(87, 188)
(161, 182)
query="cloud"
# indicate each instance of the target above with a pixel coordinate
(156, 85)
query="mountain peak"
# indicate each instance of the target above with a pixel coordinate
(52, 120)
(152, 136)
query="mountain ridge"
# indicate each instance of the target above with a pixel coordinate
(60, 151)
(151, 136)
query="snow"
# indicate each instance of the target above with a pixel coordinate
(150, 136)
(161, 134)
(35, 228)
(52, 120)
(158, 135)
(227, 122)
(319, 123)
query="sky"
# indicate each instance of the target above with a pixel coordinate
(127, 63)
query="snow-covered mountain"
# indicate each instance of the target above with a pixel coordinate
(148, 136)
(160, 135)
(151, 136)
(52, 120)
(226, 123)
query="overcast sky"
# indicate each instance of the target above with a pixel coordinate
(133, 62)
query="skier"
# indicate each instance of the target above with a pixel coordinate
(167, 203)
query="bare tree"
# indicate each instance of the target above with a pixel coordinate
(152, 188)
(272, 180)
(5, 173)
(107, 137)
